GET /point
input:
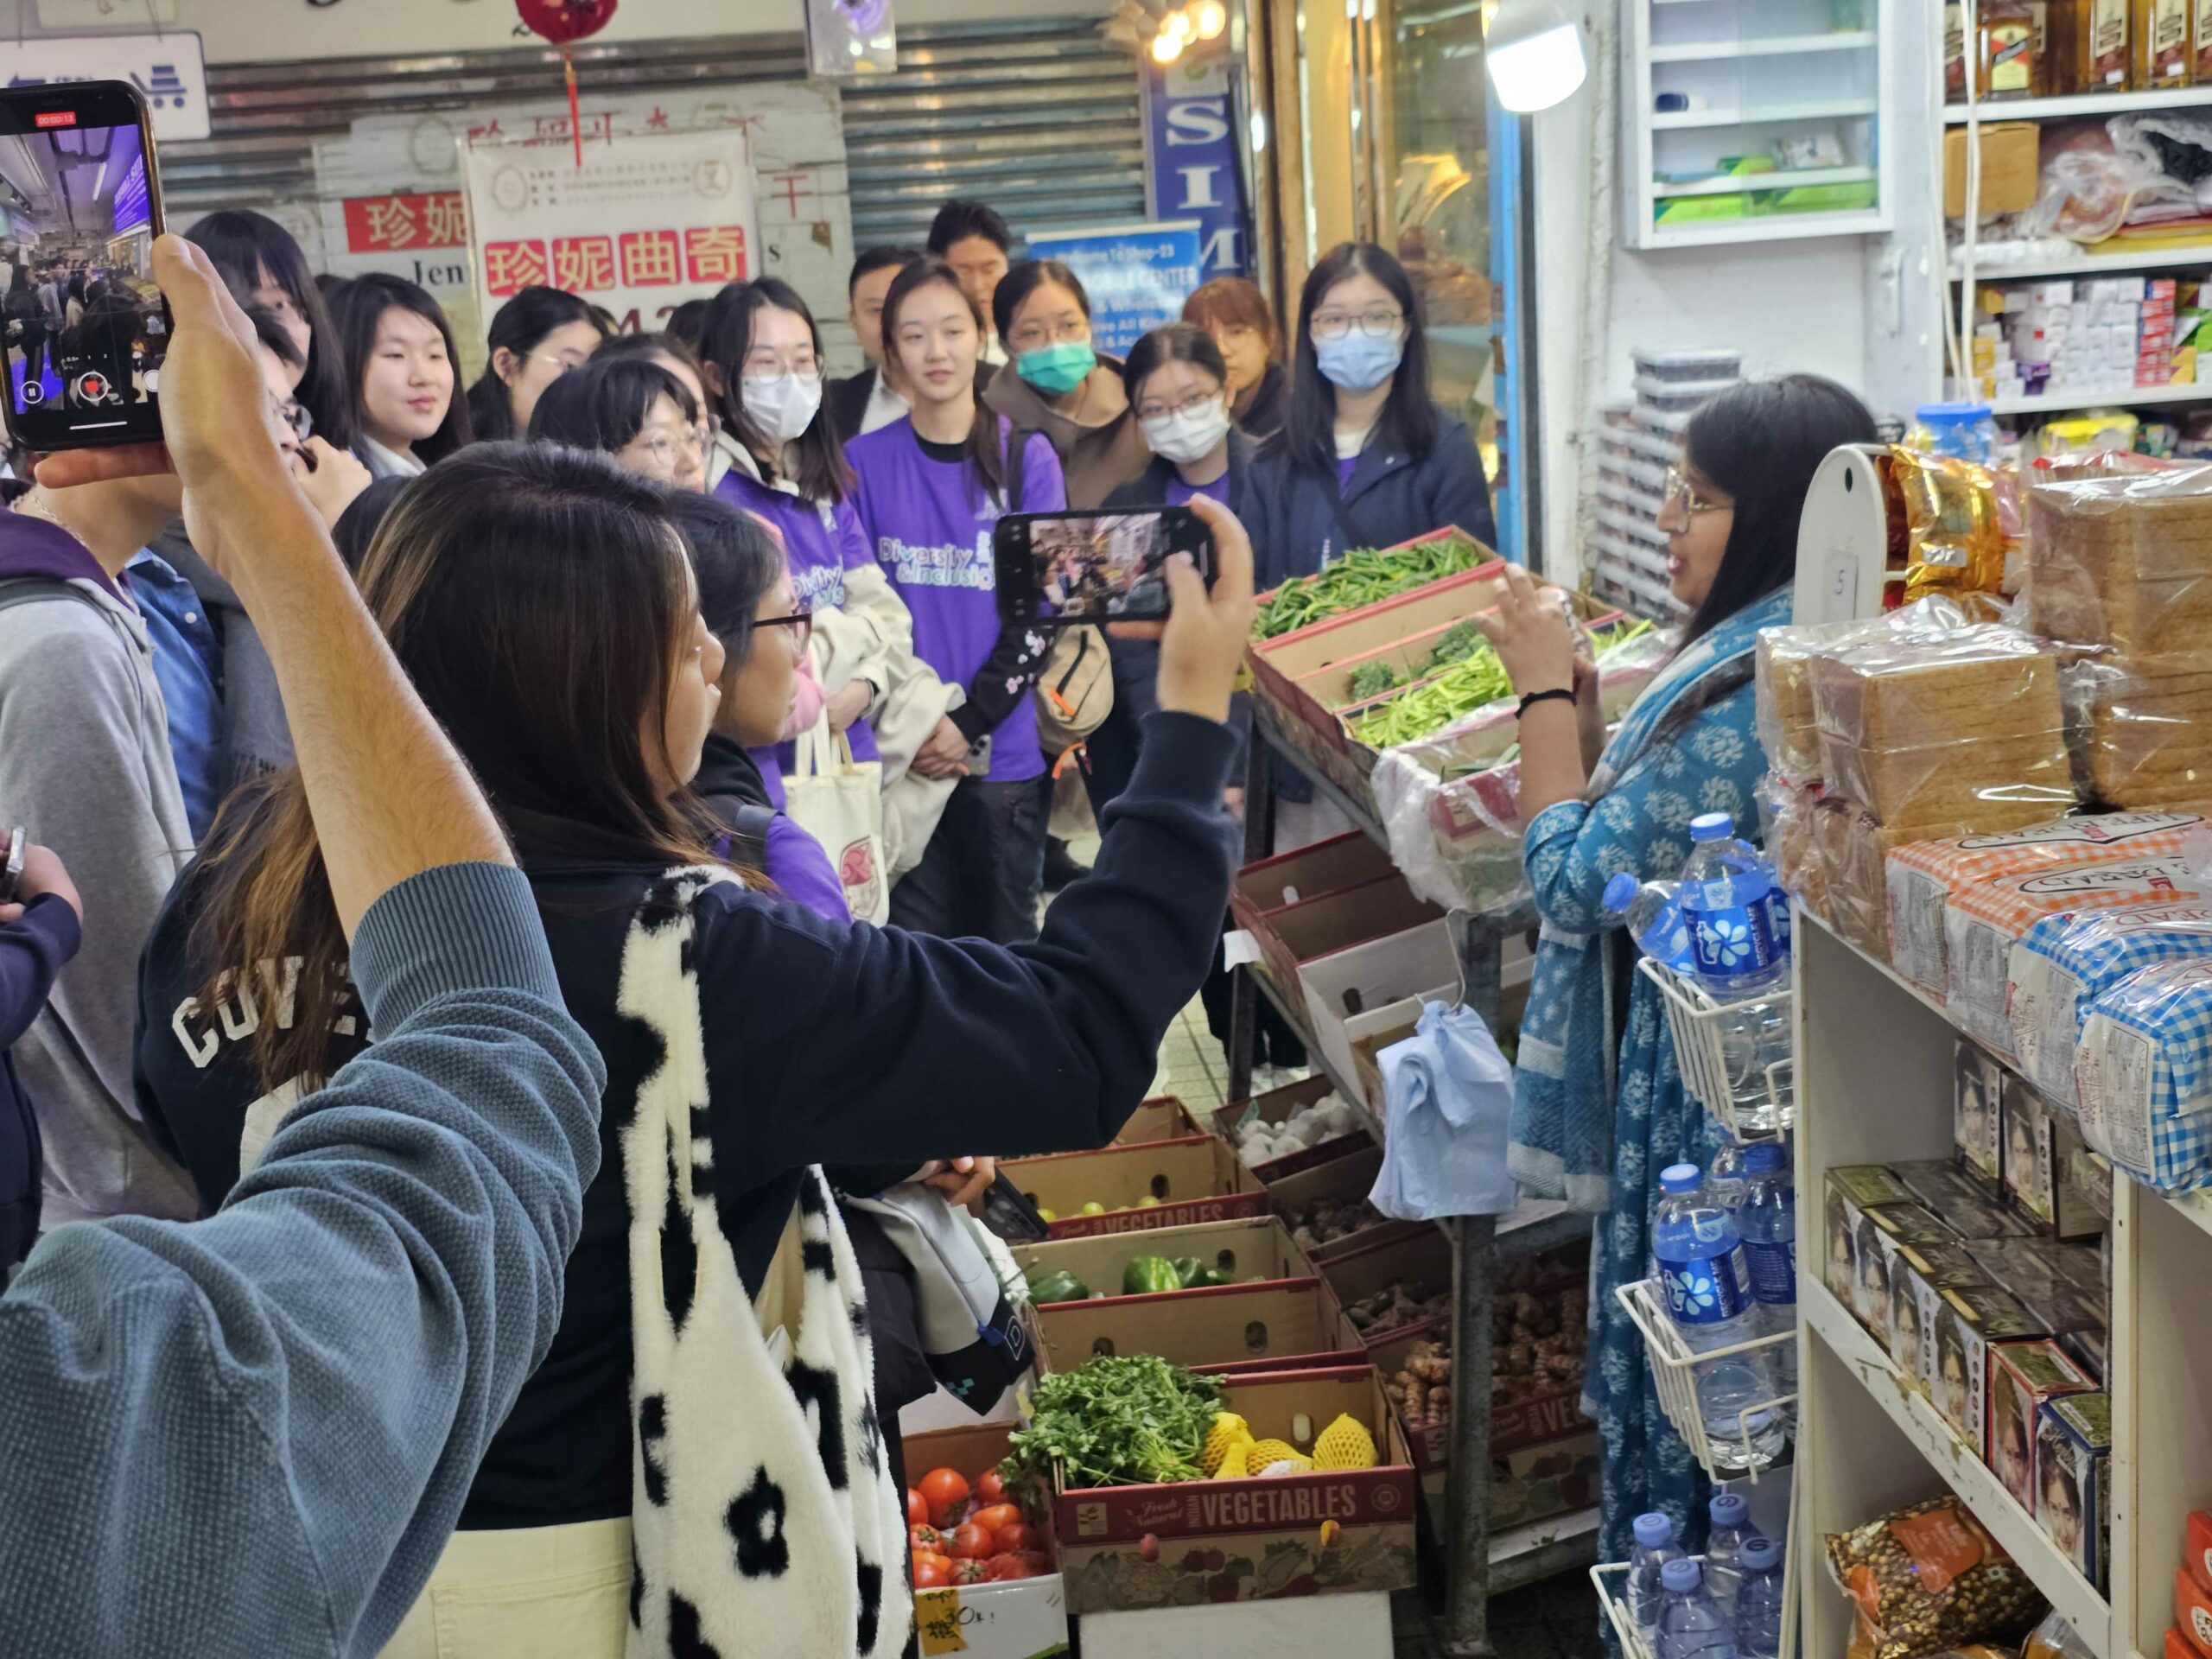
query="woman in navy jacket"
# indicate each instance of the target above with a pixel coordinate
(1364, 459)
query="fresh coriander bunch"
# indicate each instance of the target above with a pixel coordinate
(1117, 1420)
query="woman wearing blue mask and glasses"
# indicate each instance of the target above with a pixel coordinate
(1364, 459)
(1055, 383)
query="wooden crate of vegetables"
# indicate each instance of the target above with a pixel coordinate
(1133, 1188)
(1286, 1319)
(1174, 1490)
(1175, 1258)
(987, 1579)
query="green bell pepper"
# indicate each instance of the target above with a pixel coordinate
(1147, 1274)
(1193, 1272)
(1058, 1285)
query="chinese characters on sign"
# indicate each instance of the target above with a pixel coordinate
(647, 223)
(394, 223)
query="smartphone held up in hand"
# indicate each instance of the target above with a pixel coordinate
(86, 327)
(1063, 569)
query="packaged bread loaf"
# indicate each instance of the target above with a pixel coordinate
(1919, 878)
(1854, 854)
(2064, 963)
(2143, 729)
(2124, 561)
(1790, 811)
(1943, 725)
(2144, 1071)
(1783, 704)
(1981, 923)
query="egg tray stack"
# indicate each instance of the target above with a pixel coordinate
(1638, 440)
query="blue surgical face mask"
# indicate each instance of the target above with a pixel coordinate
(1358, 362)
(1057, 369)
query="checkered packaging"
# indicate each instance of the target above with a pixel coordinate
(2145, 1069)
(2065, 962)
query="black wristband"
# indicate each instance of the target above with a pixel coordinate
(1542, 697)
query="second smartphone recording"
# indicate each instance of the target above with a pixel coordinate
(1065, 569)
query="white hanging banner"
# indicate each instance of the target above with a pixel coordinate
(644, 225)
(166, 69)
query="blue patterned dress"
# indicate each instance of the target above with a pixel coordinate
(1598, 1140)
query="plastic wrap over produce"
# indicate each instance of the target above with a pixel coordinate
(2063, 963)
(2123, 561)
(1457, 843)
(2145, 1076)
(1932, 722)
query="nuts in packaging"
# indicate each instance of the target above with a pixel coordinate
(1927, 1577)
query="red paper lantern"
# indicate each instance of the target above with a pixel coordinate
(563, 22)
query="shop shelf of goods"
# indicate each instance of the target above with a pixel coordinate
(1771, 46)
(2053, 109)
(1832, 109)
(1960, 1467)
(1764, 227)
(1698, 1024)
(1992, 267)
(2066, 397)
(1673, 1377)
(1737, 184)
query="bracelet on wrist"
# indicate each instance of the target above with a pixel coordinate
(1535, 697)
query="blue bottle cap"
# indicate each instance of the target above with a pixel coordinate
(1760, 1157)
(1682, 1576)
(1729, 1510)
(1760, 1554)
(1681, 1178)
(1620, 892)
(1712, 826)
(1951, 413)
(1653, 1529)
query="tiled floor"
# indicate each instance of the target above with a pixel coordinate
(1192, 1064)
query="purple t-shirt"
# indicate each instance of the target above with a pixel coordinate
(1345, 464)
(1180, 493)
(930, 528)
(799, 867)
(820, 544)
(771, 773)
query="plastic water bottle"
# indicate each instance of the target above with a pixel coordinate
(1767, 1220)
(1758, 1600)
(1968, 430)
(1689, 1623)
(1739, 956)
(1724, 1542)
(1654, 916)
(1655, 1547)
(1727, 1178)
(1706, 1281)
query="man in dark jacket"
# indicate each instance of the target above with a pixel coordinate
(38, 934)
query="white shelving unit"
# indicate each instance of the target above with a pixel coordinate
(1755, 76)
(2090, 265)
(1868, 1441)
(2061, 109)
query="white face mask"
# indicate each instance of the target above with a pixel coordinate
(783, 405)
(1188, 435)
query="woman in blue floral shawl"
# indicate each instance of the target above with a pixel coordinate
(1599, 1108)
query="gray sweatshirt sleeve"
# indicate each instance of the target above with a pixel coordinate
(253, 1434)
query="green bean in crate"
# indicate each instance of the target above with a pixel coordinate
(1362, 577)
(1474, 682)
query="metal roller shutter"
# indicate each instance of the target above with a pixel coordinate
(1039, 118)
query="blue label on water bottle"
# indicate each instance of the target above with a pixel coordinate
(1778, 918)
(1708, 1290)
(1735, 938)
(1774, 1270)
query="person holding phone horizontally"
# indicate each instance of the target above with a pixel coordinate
(932, 487)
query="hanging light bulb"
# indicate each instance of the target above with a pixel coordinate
(1211, 17)
(1179, 25)
(1533, 50)
(1167, 47)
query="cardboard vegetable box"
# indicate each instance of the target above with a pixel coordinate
(1158, 1184)
(1164, 1117)
(1348, 1179)
(1420, 1262)
(1123, 1548)
(1278, 1318)
(1021, 1618)
(1276, 1107)
(1240, 1251)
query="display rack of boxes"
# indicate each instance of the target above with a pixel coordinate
(1637, 441)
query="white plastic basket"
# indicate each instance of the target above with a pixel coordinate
(1700, 1027)
(1674, 1374)
(1611, 1580)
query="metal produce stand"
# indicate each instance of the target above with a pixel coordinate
(1479, 1564)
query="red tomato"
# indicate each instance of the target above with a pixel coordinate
(917, 1509)
(997, 1516)
(1028, 1565)
(968, 1572)
(970, 1543)
(944, 1491)
(926, 1538)
(1013, 1540)
(989, 1488)
(928, 1575)
(935, 1557)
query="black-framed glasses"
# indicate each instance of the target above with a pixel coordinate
(1376, 325)
(801, 623)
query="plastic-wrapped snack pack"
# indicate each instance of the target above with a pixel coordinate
(2145, 1069)
(1928, 1577)
(2065, 962)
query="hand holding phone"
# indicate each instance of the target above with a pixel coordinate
(1201, 646)
(1064, 570)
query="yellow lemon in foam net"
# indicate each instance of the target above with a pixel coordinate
(1344, 1444)
(1228, 1429)
(1232, 1465)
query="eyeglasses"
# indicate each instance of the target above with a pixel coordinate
(801, 623)
(669, 449)
(1068, 331)
(1191, 404)
(561, 361)
(1376, 325)
(1681, 492)
(294, 414)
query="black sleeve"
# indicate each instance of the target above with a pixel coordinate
(34, 948)
(1462, 493)
(1008, 675)
(840, 1044)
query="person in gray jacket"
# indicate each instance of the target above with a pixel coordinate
(85, 766)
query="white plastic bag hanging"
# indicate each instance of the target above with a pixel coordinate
(839, 801)
(1449, 1097)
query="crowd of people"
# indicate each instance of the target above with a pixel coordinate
(574, 1257)
(66, 317)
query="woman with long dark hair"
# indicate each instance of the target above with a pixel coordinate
(536, 337)
(399, 353)
(262, 264)
(1364, 459)
(1055, 383)
(932, 487)
(1595, 807)
(710, 1378)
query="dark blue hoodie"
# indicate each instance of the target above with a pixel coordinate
(32, 950)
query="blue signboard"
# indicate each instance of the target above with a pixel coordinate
(1137, 277)
(1193, 147)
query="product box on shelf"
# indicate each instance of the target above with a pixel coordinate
(2073, 1480)
(1332, 1531)
(2193, 1613)
(1976, 1128)
(1853, 1189)
(1344, 984)
(1275, 1108)
(1919, 1274)
(1966, 1208)
(1274, 883)
(1971, 1322)
(1319, 1205)
(2044, 1274)
(1159, 1183)
(1233, 1252)
(1017, 1618)
(1398, 1285)
(2197, 1548)
(2037, 1137)
(1286, 1319)
(1164, 1117)
(1882, 1230)
(2023, 1375)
